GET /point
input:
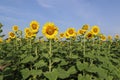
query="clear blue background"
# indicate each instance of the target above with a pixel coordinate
(64, 13)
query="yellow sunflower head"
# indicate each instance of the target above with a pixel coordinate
(1, 40)
(109, 37)
(116, 36)
(30, 34)
(61, 35)
(66, 35)
(85, 27)
(103, 37)
(34, 26)
(27, 30)
(89, 35)
(95, 30)
(50, 30)
(81, 32)
(15, 28)
(71, 32)
(8, 40)
(12, 35)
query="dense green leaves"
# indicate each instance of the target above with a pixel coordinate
(70, 59)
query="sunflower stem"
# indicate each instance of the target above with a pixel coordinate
(70, 48)
(50, 54)
(84, 53)
(36, 51)
(84, 46)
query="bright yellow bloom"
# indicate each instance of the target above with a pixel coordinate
(103, 37)
(15, 28)
(95, 30)
(116, 36)
(34, 26)
(61, 35)
(1, 40)
(11, 35)
(30, 34)
(27, 30)
(71, 32)
(50, 30)
(89, 35)
(85, 27)
(81, 32)
(109, 37)
(66, 35)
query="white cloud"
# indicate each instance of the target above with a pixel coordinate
(46, 3)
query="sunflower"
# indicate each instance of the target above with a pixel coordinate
(116, 36)
(66, 35)
(103, 37)
(85, 27)
(30, 34)
(71, 32)
(1, 40)
(34, 26)
(50, 30)
(109, 37)
(81, 32)
(89, 35)
(11, 35)
(61, 35)
(95, 30)
(15, 28)
(8, 40)
(27, 30)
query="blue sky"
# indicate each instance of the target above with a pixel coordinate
(64, 13)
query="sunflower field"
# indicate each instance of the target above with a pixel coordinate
(83, 54)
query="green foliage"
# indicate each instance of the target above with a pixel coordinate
(28, 59)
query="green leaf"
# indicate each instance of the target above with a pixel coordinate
(72, 70)
(62, 73)
(102, 73)
(92, 68)
(40, 63)
(56, 60)
(28, 59)
(46, 55)
(25, 73)
(63, 62)
(36, 72)
(80, 77)
(81, 66)
(74, 56)
(52, 75)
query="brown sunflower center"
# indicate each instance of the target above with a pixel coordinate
(85, 27)
(89, 35)
(61, 35)
(27, 30)
(70, 31)
(95, 30)
(12, 34)
(15, 28)
(50, 30)
(34, 26)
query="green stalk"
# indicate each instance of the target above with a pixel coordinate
(36, 51)
(84, 46)
(91, 61)
(50, 54)
(70, 49)
(84, 53)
